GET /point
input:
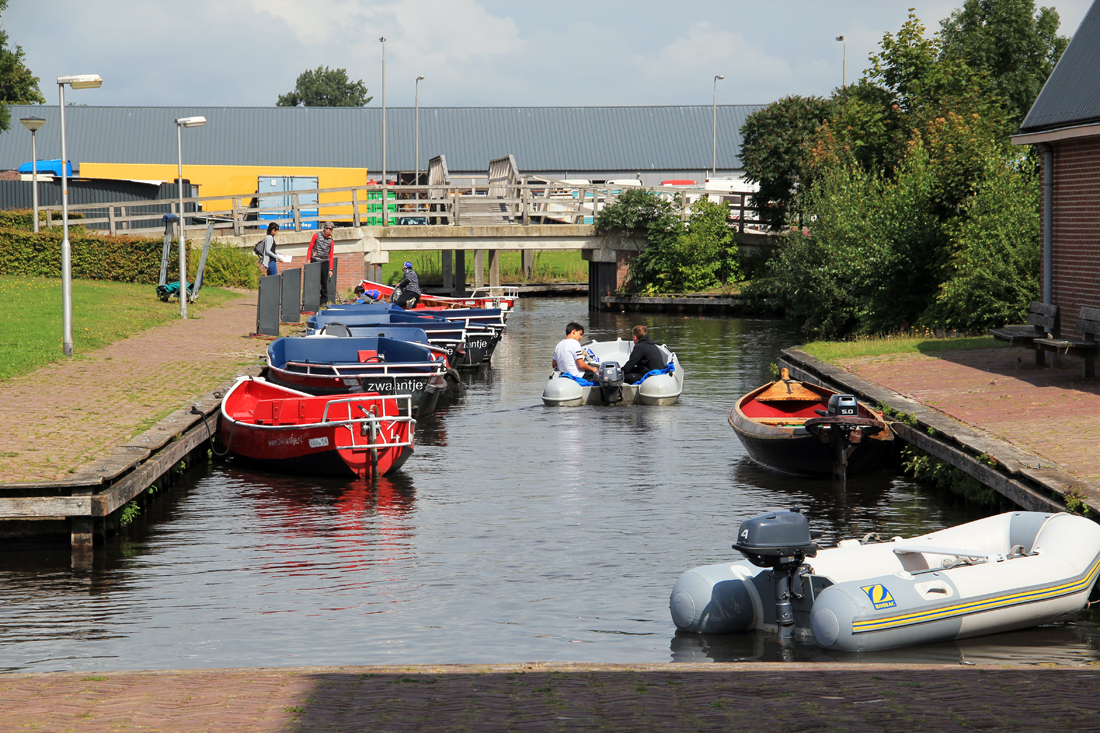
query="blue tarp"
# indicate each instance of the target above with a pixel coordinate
(49, 166)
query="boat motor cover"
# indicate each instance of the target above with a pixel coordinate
(775, 534)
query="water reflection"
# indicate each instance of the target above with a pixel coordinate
(516, 532)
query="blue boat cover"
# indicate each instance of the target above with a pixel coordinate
(579, 380)
(669, 369)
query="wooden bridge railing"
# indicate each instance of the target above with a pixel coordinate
(530, 200)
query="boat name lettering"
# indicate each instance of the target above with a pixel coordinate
(318, 442)
(879, 595)
(403, 387)
(288, 440)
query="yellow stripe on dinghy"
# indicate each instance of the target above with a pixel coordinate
(979, 605)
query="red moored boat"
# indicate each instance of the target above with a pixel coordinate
(503, 297)
(282, 429)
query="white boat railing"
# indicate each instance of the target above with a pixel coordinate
(411, 369)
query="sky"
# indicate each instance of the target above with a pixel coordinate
(245, 53)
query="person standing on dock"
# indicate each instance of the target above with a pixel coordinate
(644, 357)
(321, 249)
(410, 289)
(269, 256)
(569, 356)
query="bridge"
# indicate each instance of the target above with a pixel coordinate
(503, 211)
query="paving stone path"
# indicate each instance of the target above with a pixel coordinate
(760, 698)
(67, 414)
(1053, 413)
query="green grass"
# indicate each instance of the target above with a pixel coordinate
(103, 312)
(891, 345)
(550, 266)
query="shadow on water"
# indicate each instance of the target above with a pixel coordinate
(515, 532)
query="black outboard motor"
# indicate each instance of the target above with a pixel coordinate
(780, 541)
(611, 382)
(842, 404)
(841, 426)
(395, 294)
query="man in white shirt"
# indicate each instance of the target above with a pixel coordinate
(569, 357)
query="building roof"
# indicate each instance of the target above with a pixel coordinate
(540, 138)
(1071, 96)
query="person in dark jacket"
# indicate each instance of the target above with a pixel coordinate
(322, 249)
(410, 288)
(644, 357)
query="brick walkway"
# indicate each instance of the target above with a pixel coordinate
(1053, 413)
(68, 414)
(671, 697)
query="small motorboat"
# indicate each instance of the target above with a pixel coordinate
(1010, 571)
(496, 296)
(283, 429)
(659, 387)
(808, 430)
(466, 346)
(326, 365)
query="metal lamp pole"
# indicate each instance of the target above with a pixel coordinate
(714, 130)
(81, 81)
(181, 123)
(32, 124)
(418, 80)
(844, 69)
(382, 40)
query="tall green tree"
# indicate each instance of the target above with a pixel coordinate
(773, 145)
(325, 87)
(1015, 46)
(17, 84)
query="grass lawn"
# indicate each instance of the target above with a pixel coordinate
(551, 266)
(103, 312)
(886, 345)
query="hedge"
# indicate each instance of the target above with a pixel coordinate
(94, 257)
(21, 218)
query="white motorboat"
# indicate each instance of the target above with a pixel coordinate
(1006, 572)
(659, 387)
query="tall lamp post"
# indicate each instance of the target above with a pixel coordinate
(80, 81)
(418, 80)
(32, 124)
(714, 130)
(382, 40)
(844, 68)
(181, 123)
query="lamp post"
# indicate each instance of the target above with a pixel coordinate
(382, 40)
(181, 123)
(418, 80)
(32, 124)
(80, 81)
(844, 69)
(714, 130)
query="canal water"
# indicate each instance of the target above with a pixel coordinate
(516, 533)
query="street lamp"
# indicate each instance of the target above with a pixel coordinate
(32, 124)
(81, 81)
(417, 179)
(382, 40)
(714, 130)
(844, 69)
(181, 123)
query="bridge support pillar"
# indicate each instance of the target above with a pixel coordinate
(494, 267)
(527, 262)
(606, 273)
(479, 268)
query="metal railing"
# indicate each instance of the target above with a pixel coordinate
(531, 200)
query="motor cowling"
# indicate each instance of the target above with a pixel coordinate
(775, 538)
(610, 377)
(843, 405)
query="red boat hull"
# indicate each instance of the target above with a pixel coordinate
(443, 302)
(282, 429)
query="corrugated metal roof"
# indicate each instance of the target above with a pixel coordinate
(1071, 95)
(541, 138)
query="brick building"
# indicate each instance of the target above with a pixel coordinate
(1064, 123)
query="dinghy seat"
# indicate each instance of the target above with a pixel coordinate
(369, 355)
(336, 329)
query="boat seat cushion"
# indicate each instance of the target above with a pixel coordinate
(368, 355)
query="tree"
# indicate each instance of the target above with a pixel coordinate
(773, 141)
(17, 84)
(1015, 47)
(325, 87)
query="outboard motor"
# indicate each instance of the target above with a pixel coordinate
(780, 541)
(842, 404)
(841, 426)
(395, 294)
(611, 382)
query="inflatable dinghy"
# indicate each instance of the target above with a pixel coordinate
(659, 387)
(1006, 572)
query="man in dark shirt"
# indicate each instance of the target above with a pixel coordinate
(644, 357)
(321, 249)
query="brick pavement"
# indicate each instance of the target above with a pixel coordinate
(759, 697)
(1053, 413)
(67, 414)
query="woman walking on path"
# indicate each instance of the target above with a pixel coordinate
(269, 258)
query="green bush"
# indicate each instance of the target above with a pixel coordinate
(23, 218)
(226, 266)
(120, 259)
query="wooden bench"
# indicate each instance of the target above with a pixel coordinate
(1042, 319)
(1089, 325)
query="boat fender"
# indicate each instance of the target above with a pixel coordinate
(712, 600)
